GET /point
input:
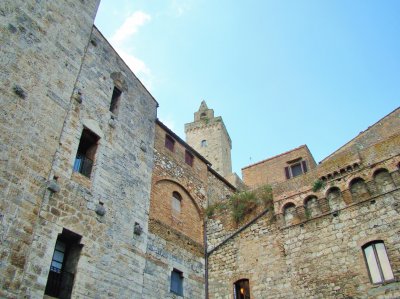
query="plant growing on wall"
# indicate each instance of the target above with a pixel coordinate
(242, 203)
(318, 184)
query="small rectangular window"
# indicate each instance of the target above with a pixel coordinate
(115, 100)
(189, 158)
(177, 282)
(169, 143)
(86, 153)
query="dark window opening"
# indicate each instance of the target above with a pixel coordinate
(377, 261)
(204, 143)
(115, 100)
(86, 153)
(169, 143)
(241, 289)
(296, 169)
(189, 158)
(63, 265)
(177, 282)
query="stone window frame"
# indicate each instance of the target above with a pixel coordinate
(379, 260)
(237, 287)
(86, 153)
(176, 203)
(295, 163)
(176, 285)
(115, 100)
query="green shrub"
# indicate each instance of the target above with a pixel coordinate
(318, 184)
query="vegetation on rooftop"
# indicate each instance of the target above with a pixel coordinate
(243, 203)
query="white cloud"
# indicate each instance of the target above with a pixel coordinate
(180, 6)
(130, 26)
(121, 41)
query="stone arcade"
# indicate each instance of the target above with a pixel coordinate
(99, 199)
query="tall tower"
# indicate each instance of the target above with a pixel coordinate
(208, 135)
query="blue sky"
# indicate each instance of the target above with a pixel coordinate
(280, 73)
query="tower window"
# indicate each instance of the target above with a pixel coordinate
(241, 289)
(377, 262)
(63, 265)
(169, 143)
(296, 169)
(204, 143)
(189, 158)
(115, 100)
(86, 153)
(177, 282)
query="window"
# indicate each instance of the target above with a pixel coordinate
(296, 169)
(241, 289)
(176, 202)
(204, 143)
(377, 262)
(63, 265)
(177, 282)
(86, 153)
(115, 100)
(189, 158)
(169, 143)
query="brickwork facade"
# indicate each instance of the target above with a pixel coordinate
(279, 168)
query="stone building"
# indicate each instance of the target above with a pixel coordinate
(99, 199)
(332, 230)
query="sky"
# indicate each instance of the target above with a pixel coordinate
(281, 73)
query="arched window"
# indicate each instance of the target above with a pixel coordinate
(289, 213)
(334, 198)
(377, 262)
(311, 206)
(204, 143)
(241, 289)
(358, 187)
(176, 202)
(383, 180)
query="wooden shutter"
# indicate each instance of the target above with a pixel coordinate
(304, 164)
(287, 172)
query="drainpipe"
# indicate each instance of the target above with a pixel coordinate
(205, 257)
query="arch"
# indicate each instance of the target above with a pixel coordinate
(334, 198)
(311, 206)
(358, 187)
(289, 213)
(172, 205)
(203, 115)
(383, 180)
(199, 210)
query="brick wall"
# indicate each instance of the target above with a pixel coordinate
(272, 170)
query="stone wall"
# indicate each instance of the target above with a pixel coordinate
(218, 148)
(40, 61)
(72, 77)
(311, 245)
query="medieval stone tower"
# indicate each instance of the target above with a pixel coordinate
(208, 135)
